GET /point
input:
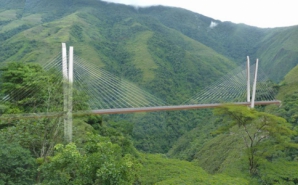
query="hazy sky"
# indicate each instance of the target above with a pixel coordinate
(260, 13)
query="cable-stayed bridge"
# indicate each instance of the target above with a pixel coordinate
(110, 94)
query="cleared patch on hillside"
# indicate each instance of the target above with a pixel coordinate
(8, 15)
(15, 24)
(56, 31)
(12, 25)
(142, 58)
(34, 18)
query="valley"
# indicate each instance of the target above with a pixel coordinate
(173, 54)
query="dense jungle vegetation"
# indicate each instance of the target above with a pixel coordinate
(170, 52)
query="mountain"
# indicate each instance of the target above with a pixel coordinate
(118, 38)
(279, 52)
(224, 153)
(171, 52)
(232, 41)
(275, 47)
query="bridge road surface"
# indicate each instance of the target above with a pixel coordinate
(130, 110)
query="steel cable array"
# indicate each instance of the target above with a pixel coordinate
(108, 91)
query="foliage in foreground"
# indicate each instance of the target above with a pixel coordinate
(98, 162)
(267, 140)
(28, 88)
(16, 164)
(110, 159)
(161, 170)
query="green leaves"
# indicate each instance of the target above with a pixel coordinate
(238, 115)
(98, 161)
(158, 169)
(17, 165)
(29, 88)
(262, 133)
(279, 172)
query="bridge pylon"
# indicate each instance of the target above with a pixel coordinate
(253, 97)
(67, 70)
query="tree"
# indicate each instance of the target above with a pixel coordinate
(27, 88)
(97, 162)
(17, 165)
(262, 133)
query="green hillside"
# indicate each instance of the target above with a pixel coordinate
(278, 52)
(133, 36)
(288, 93)
(225, 153)
(276, 48)
(232, 40)
(172, 53)
(125, 42)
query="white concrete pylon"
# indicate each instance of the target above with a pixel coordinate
(70, 65)
(248, 79)
(65, 90)
(70, 95)
(64, 61)
(252, 105)
(67, 70)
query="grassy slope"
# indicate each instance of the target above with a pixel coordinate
(8, 15)
(142, 58)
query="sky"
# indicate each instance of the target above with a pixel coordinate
(259, 13)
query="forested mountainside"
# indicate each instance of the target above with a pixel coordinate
(172, 53)
(224, 152)
(98, 23)
(273, 47)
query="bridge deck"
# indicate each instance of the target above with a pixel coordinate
(174, 107)
(129, 110)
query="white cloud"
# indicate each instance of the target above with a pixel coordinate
(264, 13)
(135, 3)
(213, 24)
